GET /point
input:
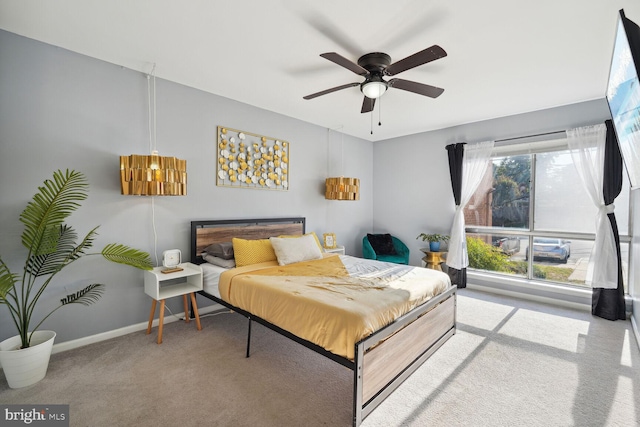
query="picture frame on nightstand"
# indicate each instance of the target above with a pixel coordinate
(329, 240)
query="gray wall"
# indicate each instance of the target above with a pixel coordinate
(634, 268)
(62, 110)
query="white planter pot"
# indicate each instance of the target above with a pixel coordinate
(27, 366)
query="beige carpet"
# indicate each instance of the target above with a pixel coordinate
(512, 363)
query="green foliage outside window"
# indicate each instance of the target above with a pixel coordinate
(484, 256)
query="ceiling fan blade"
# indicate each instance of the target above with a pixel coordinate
(326, 27)
(429, 54)
(333, 89)
(368, 104)
(415, 87)
(344, 62)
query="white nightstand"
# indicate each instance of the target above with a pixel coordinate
(160, 286)
(337, 250)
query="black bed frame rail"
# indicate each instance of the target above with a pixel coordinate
(253, 318)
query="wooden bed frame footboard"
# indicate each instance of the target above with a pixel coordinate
(384, 359)
(388, 357)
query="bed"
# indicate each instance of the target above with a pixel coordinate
(382, 352)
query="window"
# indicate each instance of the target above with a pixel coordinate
(531, 217)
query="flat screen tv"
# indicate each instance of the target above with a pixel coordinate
(623, 94)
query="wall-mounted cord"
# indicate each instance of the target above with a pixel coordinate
(153, 144)
(341, 150)
(152, 111)
(153, 226)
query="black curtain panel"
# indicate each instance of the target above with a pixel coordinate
(609, 303)
(456, 154)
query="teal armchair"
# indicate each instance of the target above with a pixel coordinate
(401, 250)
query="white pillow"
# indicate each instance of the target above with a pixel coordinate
(289, 250)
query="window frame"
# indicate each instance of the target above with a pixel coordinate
(541, 144)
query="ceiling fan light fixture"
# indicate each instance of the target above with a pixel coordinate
(373, 89)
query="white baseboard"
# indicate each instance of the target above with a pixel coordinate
(81, 342)
(636, 330)
(536, 298)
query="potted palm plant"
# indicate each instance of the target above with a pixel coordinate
(434, 240)
(51, 245)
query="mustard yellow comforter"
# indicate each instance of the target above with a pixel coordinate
(333, 302)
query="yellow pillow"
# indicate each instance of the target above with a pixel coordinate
(313, 233)
(247, 252)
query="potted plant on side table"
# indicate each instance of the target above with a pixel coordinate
(51, 245)
(434, 240)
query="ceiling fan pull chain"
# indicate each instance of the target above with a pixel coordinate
(380, 112)
(371, 122)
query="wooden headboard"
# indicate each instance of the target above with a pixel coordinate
(205, 233)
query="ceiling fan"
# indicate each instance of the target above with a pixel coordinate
(374, 66)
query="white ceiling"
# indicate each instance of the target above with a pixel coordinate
(504, 56)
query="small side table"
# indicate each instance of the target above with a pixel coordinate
(185, 282)
(434, 260)
(337, 250)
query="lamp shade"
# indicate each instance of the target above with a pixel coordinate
(342, 188)
(374, 89)
(153, 175)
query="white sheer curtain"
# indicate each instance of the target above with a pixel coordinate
(587, 150)
(474, 165)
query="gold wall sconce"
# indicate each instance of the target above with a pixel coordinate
(153, 175)
(341, 188)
